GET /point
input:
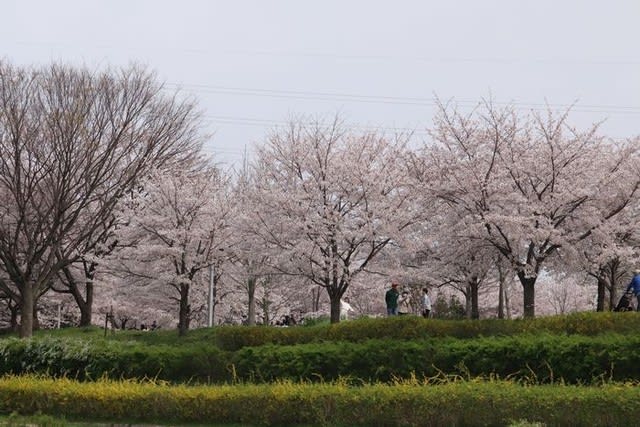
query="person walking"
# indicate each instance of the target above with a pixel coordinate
(426, 303)
(391, 299)
(634, 287)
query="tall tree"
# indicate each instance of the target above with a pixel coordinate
(527, 184)
(180, 223)
(72, 142)
(331, 201)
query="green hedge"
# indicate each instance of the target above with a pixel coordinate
(414, 327)
(539, 358)
(285, 404)
(93, 359)
(232, 338)
(535, 358)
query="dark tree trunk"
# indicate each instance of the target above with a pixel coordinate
(86, 308)
(474, 284)
(251, 290)
(185, 310)
(467, 301)
(501, 297)
(335, 308)
(613, 298)
(602, 286)
(529, 295)
(15, 311)
(85, 304)
(26, 310)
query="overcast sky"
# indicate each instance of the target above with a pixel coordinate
(254, 64)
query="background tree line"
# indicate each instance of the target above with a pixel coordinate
(110, 205)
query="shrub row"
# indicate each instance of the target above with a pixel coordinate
(534, 358)
(232, 338)
(539, 358)
(414, 327)
(93, 359)
(407, 404)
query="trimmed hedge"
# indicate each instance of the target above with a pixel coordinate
(232, 338)
(539, 358)
(93, 359)
(533, 358)
(287, 404)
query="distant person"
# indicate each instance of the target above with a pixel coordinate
(404, 303)
(345, 308)
(391, 299)
(426, 303)
(634, 287)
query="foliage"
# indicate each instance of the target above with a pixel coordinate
(451, 309)
(579, 348)
(410, 403)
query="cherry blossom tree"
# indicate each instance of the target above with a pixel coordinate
(330, 201)
(526, 185)
(609, 248)
(250, 265)
(72, 142)
(180, 226)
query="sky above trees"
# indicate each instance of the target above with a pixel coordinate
(254, 64)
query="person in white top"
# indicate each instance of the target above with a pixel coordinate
(345, 308)
(426, 303)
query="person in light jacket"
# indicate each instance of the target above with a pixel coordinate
(426, 303)
(404, 304)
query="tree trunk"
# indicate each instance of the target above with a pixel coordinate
(614, 278)
(266, 315)
(507, 302)
(529, 295)
(601, 294)
(86, 307)
(15, 311)
(474, 284)
(613, 297)
(251, 290)
(26, 311)
(501, 297)
(315, 298)
(85, 304)
(36, 321)
(467, 301)
(335, 308)
(185, 308)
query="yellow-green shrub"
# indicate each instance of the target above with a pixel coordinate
(410, 403)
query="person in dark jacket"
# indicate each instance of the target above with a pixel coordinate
(391, 299)
(634, 287)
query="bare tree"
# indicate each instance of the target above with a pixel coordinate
(72, 142)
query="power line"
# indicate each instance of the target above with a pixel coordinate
(395, 100)
(247, 121)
